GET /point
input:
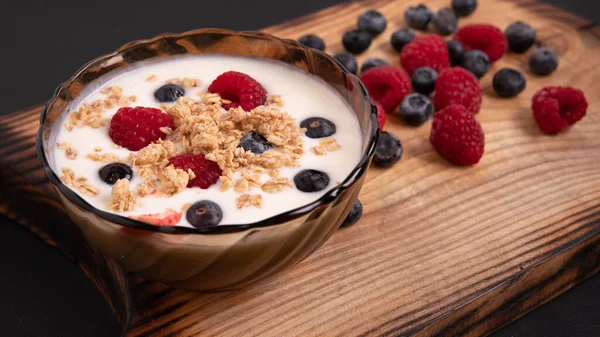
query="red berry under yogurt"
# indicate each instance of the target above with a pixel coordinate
(206, 140)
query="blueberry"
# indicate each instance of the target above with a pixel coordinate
(416, 109)
(311, 180)
(204, 213)
(418, 17)
(356, 41)
(348, 61)
(312, 41)
(520, 37)
(388, 151)
(457, 52)
(423, 80)
(509, 82)
(115, 171)
(402, 37)
(444, 21)
(476, 62)
(543, 61)
(372, 21)
(169, 93)
(355, 213)
(372, 62)
(254, 143)
(317, 127)
(464, 7)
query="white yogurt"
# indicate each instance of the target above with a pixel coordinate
(303, 95)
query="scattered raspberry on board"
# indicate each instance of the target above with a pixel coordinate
(556, 108)
(457, 136)
(457, 86)
(387, 85)
(425, 51)
(487, 38)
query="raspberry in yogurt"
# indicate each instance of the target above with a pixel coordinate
(206, 140)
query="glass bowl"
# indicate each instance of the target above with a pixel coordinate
(225, 256)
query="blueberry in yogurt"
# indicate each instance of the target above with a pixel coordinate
(204, 213)
(112, 172)
(254, 143)
(318, 127)
(169, 93)
(311, 180)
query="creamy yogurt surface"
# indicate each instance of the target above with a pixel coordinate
(303, 96)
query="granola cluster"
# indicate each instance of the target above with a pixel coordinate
(152, 164)
(103, 157)
(91, 114)
(184, 82)
(69, 151)
(325, 145)
(122, 198)
(248, 200)
(80, 183)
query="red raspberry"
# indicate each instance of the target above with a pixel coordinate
(387, 85)
(457, 136)
(425, 51)
(134, 128)
(239, 88)
(380, 115)
(207, 172)
(457, 86)
(160, 219)
(555, 108)
(487, 38)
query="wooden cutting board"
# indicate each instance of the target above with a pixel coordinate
(440, 250)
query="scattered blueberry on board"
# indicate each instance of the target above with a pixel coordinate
(464, 7)
(169, 93)
(356, 41)
(254, 143)
(372, 22)
(311, 180)
(423, 80)
(348, 61)
(477, 62)
(373, 62)
(416, 109)
(418, 17)
(204, 213)
(520, 37)
(444, 21)
(355, 214)
(388, 151)
(318, 127)
(112, 172)
(543, 61)
(312, 41)
(508, 82)
(456, 51)
(402, 37)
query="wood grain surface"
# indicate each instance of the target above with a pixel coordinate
(440, 250)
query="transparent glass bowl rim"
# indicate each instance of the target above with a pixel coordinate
(281, 218)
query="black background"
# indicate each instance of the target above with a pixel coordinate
(44, 42)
